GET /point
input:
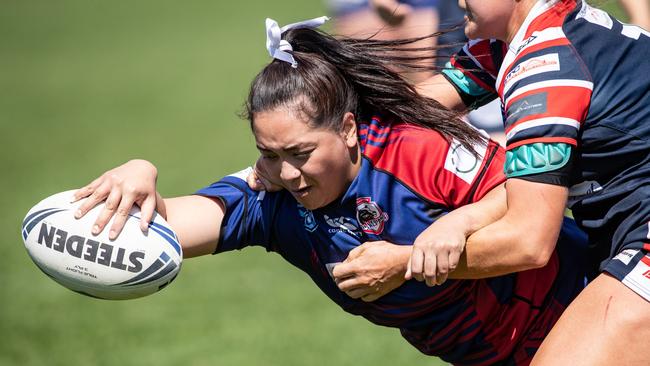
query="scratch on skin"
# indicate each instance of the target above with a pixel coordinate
(607, 309)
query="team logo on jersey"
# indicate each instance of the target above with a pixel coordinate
(534, 66)
(308, 217)
(342, 223)
(370, 216)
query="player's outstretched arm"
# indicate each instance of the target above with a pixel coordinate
(197, 222)
(195, 219)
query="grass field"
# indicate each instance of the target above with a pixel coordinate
(87, 85)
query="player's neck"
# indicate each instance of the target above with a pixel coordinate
(521, 11)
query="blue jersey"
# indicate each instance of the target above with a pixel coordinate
(575, 75)
(409, 176)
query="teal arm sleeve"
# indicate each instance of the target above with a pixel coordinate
(536, 158)
(471, 93)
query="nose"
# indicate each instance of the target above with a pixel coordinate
(288, 172)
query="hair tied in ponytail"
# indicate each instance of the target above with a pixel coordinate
(280, 48)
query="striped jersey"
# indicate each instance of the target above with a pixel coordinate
(409, 176)
(573, 74)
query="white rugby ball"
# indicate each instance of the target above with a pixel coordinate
(133, 265)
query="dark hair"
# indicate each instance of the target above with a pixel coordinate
(335, 76)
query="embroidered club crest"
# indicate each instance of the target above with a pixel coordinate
(308, 217)
(370, 216)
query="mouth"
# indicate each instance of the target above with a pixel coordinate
(301, 192)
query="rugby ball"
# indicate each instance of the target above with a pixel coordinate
(133, 265)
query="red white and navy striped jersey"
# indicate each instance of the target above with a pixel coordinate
(409, 177)
(575, 75)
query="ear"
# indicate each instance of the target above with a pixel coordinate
(349, 131)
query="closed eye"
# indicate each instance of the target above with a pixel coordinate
(303, 154)
(270, 157)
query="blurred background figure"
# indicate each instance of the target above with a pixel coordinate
(386, 20)
(394, 19)
(638, 12)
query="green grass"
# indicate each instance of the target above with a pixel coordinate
(87, 85)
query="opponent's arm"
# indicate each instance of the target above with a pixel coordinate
(436, 251)
(524, 238)
(374, 269)
(442, 90)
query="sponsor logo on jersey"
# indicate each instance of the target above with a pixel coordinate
(626, 255)
(308, 218)
(462, 162)
(342, 224)
(528, 106)
(370, 216)
(534, 66)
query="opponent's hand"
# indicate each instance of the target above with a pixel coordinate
(436, 252)
(259, 179)
(131, 183)
(391, 11)
(372, 270)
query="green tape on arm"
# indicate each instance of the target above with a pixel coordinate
(536, 158)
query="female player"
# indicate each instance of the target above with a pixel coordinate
(576, 104)
(328, 121)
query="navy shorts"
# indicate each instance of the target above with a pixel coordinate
(621, 247)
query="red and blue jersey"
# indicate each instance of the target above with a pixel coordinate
(410, 176)
(575, 75)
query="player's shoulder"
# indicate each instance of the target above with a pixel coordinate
(234, 190)
(388, 142)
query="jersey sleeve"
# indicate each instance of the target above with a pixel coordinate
(546, 96)
(473, 71)
(441, 171)
(248, 217)
(466, 178)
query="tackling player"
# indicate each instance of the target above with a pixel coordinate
(575, 95)
(328, 120)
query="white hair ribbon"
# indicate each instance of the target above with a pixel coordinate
(278, 47)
